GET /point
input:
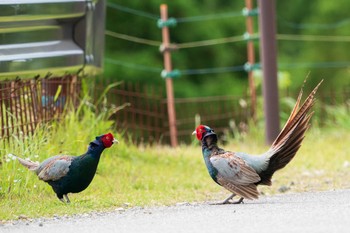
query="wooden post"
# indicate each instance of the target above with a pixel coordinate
(168, 80)
(251, 59)
(73, 90)
(268, 58)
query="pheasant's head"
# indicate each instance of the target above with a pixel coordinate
(202, 131)
(107, 140)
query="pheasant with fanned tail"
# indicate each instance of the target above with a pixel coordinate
(240, 172)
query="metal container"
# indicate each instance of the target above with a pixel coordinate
(51, 37)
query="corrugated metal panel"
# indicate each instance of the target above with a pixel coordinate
(24, 10)
(49, 36)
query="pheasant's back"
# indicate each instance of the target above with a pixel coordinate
(80, 174)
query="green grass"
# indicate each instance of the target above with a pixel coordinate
(157, 175)
(322, 163)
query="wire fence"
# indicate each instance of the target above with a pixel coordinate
(232, 39)
(145, 118)
(25, 104)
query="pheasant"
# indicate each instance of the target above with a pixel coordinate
(71, 174)
(241, 173)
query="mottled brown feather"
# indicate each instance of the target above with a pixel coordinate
(249, 191)
(234, 168)
(235, 175)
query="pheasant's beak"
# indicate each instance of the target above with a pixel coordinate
(194, 132)
(115, 141)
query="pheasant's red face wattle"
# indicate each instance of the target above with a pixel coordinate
(200, 131)
(108, 140)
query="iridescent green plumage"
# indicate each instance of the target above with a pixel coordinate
(71, 174)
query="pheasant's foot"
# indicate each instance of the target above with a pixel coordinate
(226, 201)
(238, 202)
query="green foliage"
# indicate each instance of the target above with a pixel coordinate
(338, 116)
(183, 59)
(321, 18)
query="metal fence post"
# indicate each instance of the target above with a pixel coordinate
(268, 52)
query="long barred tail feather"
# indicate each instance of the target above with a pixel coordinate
(27, 163)
(289, 140)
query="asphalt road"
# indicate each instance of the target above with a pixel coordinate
(304, 212)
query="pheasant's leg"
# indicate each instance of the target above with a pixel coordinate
(239, 201)
(226, 201)
(67, 199)
(60, 197)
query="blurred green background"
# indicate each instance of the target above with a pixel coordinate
(312, 38)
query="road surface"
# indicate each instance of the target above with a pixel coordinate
(302, 212)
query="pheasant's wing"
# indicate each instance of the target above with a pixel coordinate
(54, 168)
(235, 175)
(234, 169)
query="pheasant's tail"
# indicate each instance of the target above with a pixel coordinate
(27, 163)
(289, 140)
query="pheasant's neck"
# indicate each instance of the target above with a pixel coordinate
(207, 152)
(209, 149)
(95, 152)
